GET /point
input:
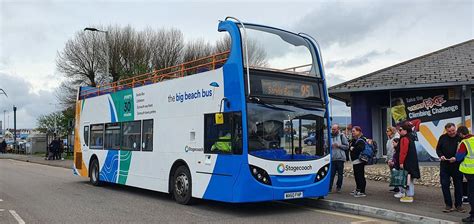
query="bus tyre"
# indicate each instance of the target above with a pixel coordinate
(94, 173)
(182, 186)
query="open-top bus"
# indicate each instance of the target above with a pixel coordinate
(231, 127)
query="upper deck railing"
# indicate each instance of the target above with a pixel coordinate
(185, 69)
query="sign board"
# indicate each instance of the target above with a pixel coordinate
(428, 111)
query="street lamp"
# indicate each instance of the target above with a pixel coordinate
(106, 40)
(2, 92)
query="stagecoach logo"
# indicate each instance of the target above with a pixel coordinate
(282, 168)
(191, 149)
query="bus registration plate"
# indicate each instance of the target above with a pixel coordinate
(291, 195)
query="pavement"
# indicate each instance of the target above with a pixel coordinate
(379, 203)
(38, 159)
(35, 193)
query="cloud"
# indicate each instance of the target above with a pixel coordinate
(334, 79)
(30, 104)
(344, 23)
(357, 61)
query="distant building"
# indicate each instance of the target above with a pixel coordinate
(428, 91)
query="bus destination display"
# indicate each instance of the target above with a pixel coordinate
(287, 88)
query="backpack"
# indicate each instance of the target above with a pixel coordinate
(367, 155)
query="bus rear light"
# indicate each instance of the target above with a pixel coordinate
(260, 175)
(322, 173)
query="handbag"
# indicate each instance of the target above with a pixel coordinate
(398, 178)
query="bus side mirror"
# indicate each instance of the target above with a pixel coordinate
(219, 118)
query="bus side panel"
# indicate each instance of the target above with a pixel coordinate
(177, 108)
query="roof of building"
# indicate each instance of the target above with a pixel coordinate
(450, 66)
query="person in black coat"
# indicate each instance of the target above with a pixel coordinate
(3, 146)
(408, 160)
(356, 147)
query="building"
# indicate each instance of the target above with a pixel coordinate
(429, 91)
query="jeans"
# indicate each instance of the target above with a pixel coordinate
(337, 166)
(359, 175)
(411, 187)
(448, 171)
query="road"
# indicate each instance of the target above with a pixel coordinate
(33, 193)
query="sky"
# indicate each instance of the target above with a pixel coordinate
(356, 37)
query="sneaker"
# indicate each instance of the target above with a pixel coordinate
(465, 200)
(353, 192)
(448, 209)
(399, 195)
(338, 190)
(469, 219)
(406, 199)
(359, 195)
(460, 209)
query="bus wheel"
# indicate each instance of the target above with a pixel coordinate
(182, 185)
(94, 173)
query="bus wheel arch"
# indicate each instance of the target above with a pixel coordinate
(94, 171)
(180, 173)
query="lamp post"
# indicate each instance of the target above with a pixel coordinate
(2, 92)
(106, 40)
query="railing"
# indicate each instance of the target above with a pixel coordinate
(188, 68)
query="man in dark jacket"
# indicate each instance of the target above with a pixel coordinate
(3, 146)
(449, 168)
(340, 146)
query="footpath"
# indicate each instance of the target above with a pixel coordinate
(38, 159)
(379, 203)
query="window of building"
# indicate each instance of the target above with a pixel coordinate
(147, 135)
(97, 136)
(86, 135)
(223, 138)
(131, 135)
(112, 136)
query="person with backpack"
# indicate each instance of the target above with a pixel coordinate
(356, 148)
(339, 147)
(408, 161)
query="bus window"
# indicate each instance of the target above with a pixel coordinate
(223, 138)
(112, 136)
(97, 136)
(147, 135)
(86, 135)
(131, 136)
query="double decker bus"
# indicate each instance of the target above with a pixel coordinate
(246, 125)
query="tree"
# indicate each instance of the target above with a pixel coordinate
(81, 58)
(257, 54)
(166, 47)
(197, 49)
(55, 122)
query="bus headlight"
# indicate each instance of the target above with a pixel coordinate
(322, 173)
(260, 175)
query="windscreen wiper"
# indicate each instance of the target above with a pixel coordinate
(261, 102)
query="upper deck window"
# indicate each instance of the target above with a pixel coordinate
(279, 50)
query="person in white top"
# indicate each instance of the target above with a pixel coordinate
(392, 133)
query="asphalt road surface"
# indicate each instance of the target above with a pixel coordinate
(33, 193)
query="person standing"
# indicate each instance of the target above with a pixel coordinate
(3, 146)
(449, 168)
(391, 135)
(465, 155)
(356, 148)
(340, 145)
(408, 161)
